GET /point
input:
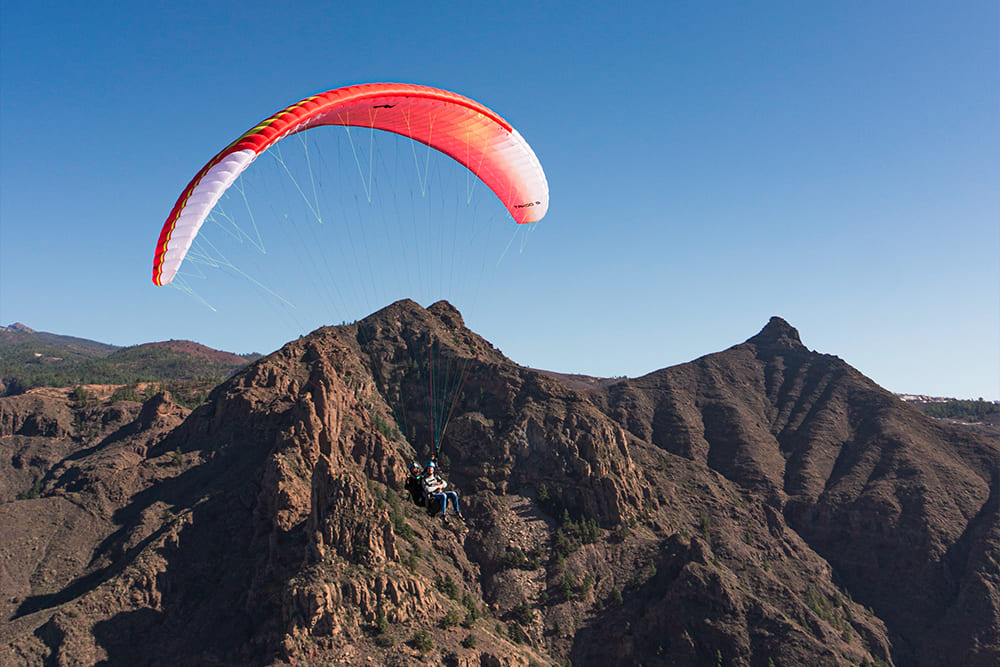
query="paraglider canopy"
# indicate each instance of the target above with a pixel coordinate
(461, 128)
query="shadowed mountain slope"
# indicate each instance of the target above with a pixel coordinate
(892, 499)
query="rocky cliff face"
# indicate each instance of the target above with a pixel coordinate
(891, 499)
(763, 504)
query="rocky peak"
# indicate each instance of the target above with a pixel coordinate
(777, 333)
(17, 326)
(443, 307)
(416, 316)
(448, 314)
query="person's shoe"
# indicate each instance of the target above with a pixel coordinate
(444, 518)
(460, 516)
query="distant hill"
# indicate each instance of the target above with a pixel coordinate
(175, 360)
(17, 326)
(31, 359)
(18, 337)
(578, 381)
(979, 416)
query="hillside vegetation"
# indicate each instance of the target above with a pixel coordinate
(970, 411)
(979, 416)
(31, 360)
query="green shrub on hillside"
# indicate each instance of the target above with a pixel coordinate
(422, 641)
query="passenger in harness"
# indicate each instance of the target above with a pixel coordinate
(434, 490)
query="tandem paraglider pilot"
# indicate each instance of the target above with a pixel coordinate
(434, 490)
(415, 484)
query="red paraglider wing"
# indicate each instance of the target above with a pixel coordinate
(463, 129)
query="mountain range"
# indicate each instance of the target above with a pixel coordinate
(762, 505)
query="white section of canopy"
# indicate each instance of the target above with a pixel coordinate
(203, 198)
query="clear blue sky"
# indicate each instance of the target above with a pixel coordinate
(710, 165)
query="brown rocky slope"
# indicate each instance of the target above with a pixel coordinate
(763, 505)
